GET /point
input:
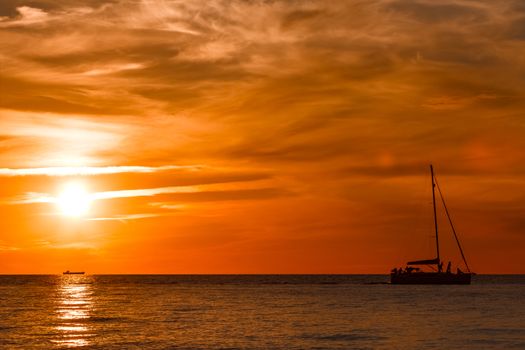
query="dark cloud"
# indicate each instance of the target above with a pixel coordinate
(58, 97)
(517, 29)
(213, 196)
(431, 12)
(300, 18)
(419, 168)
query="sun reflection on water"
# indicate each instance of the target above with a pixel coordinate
(73, 310)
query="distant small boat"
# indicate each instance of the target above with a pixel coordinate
(73, 272)
(413, 275)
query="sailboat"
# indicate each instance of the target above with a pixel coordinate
(414, 275)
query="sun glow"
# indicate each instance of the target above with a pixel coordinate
(74, 200)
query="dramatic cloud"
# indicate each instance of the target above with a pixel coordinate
(324, 106)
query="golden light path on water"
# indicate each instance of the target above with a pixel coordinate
(73, 310)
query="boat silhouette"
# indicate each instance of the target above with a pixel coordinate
(73, 272)
(413, 275)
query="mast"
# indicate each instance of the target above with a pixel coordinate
(435, 216)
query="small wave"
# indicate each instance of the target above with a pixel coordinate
(342, 337)
(106, 319)
(498, 331)
(189, 309)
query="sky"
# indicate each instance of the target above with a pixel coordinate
(260, 136)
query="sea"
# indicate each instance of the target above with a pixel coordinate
(258, 312)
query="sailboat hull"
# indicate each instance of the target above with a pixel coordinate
(430, 278)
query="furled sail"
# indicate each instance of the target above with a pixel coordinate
(424, 262)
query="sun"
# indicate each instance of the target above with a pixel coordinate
(74, 200)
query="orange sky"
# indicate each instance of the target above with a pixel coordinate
(258, 136)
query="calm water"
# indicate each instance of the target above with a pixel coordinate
(258, 312)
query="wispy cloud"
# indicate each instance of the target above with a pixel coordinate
(109, 69)
(30, 198)
(126, 217)
(35, 197)
(70, 245)
(227, 190)
(8, 248)
(55, 139)
(148, 192)
(89, 171)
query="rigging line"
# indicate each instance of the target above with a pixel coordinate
(451, 224)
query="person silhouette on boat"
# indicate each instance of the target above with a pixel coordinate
(440, 267)
(449, 266)
(409, 269)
